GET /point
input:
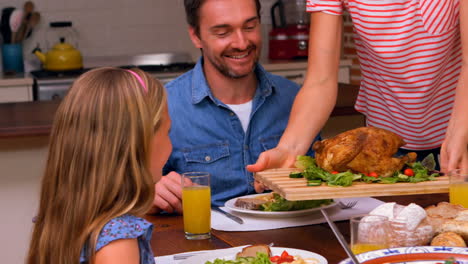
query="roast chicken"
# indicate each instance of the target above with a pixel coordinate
(362, 150)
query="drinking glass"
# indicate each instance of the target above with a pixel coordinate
(196, 203)
(368, 232)
(458, 187)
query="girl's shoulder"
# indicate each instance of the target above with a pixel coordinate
(124, 227)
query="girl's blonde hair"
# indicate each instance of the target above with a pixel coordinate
(98, 162)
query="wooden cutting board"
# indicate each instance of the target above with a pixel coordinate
(296, 189)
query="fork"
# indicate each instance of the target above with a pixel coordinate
(186, 255)
(347, 205)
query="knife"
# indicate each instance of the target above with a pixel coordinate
(230, 216)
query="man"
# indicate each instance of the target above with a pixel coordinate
(226, 110)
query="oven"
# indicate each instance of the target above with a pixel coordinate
(53, 85)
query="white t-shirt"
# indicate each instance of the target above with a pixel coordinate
(243, 112)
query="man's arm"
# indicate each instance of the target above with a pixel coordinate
(454, 152)
(317, 97)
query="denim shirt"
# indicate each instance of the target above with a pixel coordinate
(208, 136)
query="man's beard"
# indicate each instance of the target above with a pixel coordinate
(226, 71)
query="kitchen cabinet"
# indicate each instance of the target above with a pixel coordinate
(16, 89)
(296, 70)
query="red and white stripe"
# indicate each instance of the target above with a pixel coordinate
(410, 58)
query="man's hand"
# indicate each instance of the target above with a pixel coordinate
(168, 194)
(273, 158)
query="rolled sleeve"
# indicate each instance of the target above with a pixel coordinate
(333, 7)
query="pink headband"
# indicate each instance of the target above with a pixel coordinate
(139, 79)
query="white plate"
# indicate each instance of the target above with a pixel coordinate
(230, 254)
(413, 255)
(230, 205)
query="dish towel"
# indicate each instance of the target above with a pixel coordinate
(170, 259)
(254, 222)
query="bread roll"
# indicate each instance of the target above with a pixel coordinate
(448, 239)
(251, 251)
(408, 224)
(438, 214)
(456, 226)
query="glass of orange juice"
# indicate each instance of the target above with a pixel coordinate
(196, 203)
(458, 188)
(369, 232)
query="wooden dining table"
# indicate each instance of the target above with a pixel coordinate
(168, 235)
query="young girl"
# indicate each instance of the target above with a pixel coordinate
(108, 145)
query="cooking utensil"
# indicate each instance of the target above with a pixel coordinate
(28, 8)
(32, 23)
(229, 215)
(16, 19)
(278, 180)
(5, 24)
(340, 237)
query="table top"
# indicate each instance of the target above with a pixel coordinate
(168, 236)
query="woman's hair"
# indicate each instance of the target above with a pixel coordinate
(98, 161)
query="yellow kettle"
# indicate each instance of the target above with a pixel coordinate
(62, 57)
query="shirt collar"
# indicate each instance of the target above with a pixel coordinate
(201, 90)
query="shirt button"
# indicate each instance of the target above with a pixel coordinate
(231, 114)
(207, 158)
(246, 147)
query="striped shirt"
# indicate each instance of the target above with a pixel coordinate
(410, 59)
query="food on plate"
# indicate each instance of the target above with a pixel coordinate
(315, 175)
(448, 239)
(363, 150)
(251, 251)
(273, 202)
(261, 254)
(408, 225)
(457, 225)
(438, 214)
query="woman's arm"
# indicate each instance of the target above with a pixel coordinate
(454, 152)
(317, 97)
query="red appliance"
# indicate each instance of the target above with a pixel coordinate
(289, 36)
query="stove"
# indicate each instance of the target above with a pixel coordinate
(53, 85)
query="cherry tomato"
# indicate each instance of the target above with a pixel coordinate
(373, 174)
(409, 172)
(274, 258)
(284, 254)
(335, 172)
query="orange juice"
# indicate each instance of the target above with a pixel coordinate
(362, 247)
(196, 202)
(459, 194)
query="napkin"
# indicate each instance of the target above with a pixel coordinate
(254, 222)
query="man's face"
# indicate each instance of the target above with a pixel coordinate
(229, 36)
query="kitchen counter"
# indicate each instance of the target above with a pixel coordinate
(35, 118)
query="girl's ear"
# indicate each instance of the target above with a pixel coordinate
(194, 37)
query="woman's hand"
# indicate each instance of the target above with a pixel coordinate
(454, 152)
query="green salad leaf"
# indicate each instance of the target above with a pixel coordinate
(278, 203)
(261, 258)
(421, 171)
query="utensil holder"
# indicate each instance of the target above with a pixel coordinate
(12, 58)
